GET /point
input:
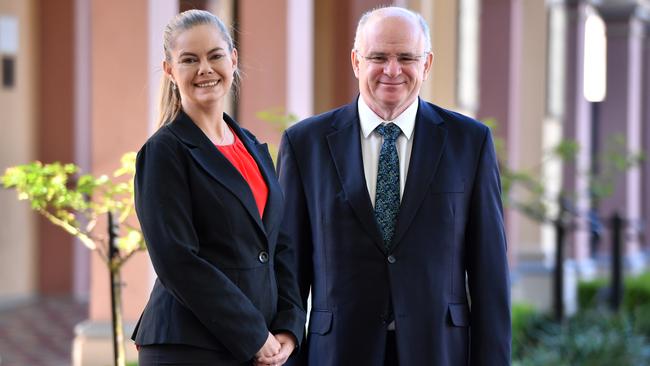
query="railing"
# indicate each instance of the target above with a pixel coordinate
(565, 223)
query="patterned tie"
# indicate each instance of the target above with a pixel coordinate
(387, 197)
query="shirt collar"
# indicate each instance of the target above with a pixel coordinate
(369, 120)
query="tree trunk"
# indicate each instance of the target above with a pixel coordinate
(114, 267)
(116, 317)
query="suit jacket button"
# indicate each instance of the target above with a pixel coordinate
(263, 256)
(391, 259)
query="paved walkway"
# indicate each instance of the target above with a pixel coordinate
(40, 333)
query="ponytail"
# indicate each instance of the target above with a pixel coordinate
(170, 101)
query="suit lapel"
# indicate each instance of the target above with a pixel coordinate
(217, 165)
(345, 148)
(260, 153)
(430, 136)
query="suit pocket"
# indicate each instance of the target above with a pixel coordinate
(459, 315)
(320, 321)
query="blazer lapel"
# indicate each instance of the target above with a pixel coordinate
(430, 136)
(260, 153)
(345, 147)
(215, 164)
(271, 219)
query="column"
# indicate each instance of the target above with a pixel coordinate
(19, 103)
(55, 134)
(124, 77)
(300, 58)
(263, 60)
(444, 23)
(82, 131)
(568, 117)
(496, 70)
(527, 108)
(530, 136)
(278, 66)
(620, 113)
(335, 24)
(557, 63)
(468, 47)
(646, 132)
(499, 83)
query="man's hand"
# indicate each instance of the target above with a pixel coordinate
(287, 343)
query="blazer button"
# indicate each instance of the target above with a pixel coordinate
(391, 259)
(263, 256)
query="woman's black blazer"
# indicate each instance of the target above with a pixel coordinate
(225, 275)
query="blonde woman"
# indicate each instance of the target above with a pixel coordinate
(210, 210)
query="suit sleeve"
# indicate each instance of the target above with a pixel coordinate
(487, 265)
(290, 315)
(296, 225)
(163, 206)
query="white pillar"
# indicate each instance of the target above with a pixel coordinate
(300, 58)
(82, 136)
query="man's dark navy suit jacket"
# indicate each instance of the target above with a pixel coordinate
(449, 230)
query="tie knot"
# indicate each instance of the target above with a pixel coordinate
(389, 131)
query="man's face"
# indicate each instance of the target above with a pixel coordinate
(391, 64)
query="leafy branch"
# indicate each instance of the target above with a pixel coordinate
(534, 199)
(74, 202)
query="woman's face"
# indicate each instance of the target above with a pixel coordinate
(201, 66)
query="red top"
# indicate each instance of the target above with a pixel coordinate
(238, 156)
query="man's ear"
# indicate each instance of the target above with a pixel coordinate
(355, 63)
(427, 65)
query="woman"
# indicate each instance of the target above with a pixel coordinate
(210, 209)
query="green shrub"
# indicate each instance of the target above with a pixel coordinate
(592, 338)
(525, 319)
(636, 292)
(588, 293)
(521, 314)
(641, 320)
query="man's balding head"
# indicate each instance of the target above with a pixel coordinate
(392, 11)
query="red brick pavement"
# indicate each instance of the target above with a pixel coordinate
(40, 333)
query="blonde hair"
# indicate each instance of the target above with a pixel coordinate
(170, 98)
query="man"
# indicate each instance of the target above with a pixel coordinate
(394, 204)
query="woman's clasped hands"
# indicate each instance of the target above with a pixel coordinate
(276, 350)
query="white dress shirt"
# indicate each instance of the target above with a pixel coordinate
(371, 142)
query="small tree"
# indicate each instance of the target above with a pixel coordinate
(75, 202)
(535, 201)
(280, 120)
